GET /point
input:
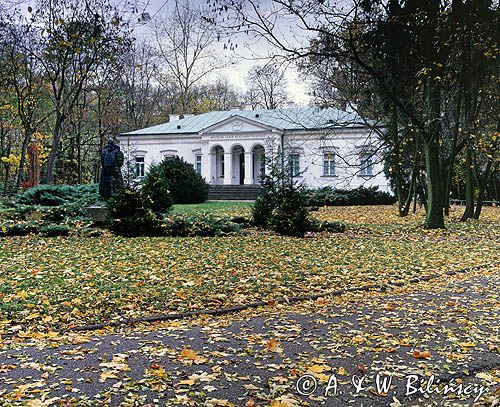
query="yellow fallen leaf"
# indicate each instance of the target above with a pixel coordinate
(219, 402)
(467, 344)
(321, 377)
(191, 355)
(189, 382)
(271, 345)
(188, 354)
(107, 374)
(317, 368)
(342, 371)
(160, 373)
(22, 294)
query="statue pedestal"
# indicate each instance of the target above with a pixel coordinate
(99, 214)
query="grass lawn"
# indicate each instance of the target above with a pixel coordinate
(217, 207)
(49, 283)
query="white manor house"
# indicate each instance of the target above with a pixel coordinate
(324, 147)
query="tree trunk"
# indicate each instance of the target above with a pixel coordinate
(413, 182)
(54, 149)
(451, 161)
(415, 196)
(435, 217)
(469, 186)
(482, 188)
(399, 191)
(406, 208)
(22, 160)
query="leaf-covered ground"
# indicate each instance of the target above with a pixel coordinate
(447, 327)
(56, 283)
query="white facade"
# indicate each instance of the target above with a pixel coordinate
(234, 148)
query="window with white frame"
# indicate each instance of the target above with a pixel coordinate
(328, 163)
(294, 162)
(366, 164)
(139, 166)
(197, 163)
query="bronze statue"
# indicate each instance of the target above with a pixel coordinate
(111, 174)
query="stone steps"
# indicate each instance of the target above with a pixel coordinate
(233, 192)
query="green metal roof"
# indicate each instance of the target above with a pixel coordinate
(300, 118)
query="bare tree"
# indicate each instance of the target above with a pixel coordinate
(219, 95)
(141, 94)
(267, 86)
(185, 43)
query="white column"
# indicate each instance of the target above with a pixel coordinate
(206, 162)
(228, 168)
(248, 168)
(208, 167)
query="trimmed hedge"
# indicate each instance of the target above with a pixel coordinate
(349, 197)
(54, 230)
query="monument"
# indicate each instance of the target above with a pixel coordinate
(111, 173)
(111, 180)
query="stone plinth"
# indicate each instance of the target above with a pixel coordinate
(98, 214)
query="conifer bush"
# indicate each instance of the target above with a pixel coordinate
(174, 181)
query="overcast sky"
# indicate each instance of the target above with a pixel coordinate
(249, 52)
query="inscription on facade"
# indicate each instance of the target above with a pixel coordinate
(226, 136)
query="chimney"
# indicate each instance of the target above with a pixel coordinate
(173, 117)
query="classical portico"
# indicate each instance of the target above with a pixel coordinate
(235, 150)
(236, 164)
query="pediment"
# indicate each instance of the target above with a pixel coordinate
(237, 124)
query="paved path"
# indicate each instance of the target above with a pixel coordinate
(447, 328)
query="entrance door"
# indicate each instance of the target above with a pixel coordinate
(242, 168)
